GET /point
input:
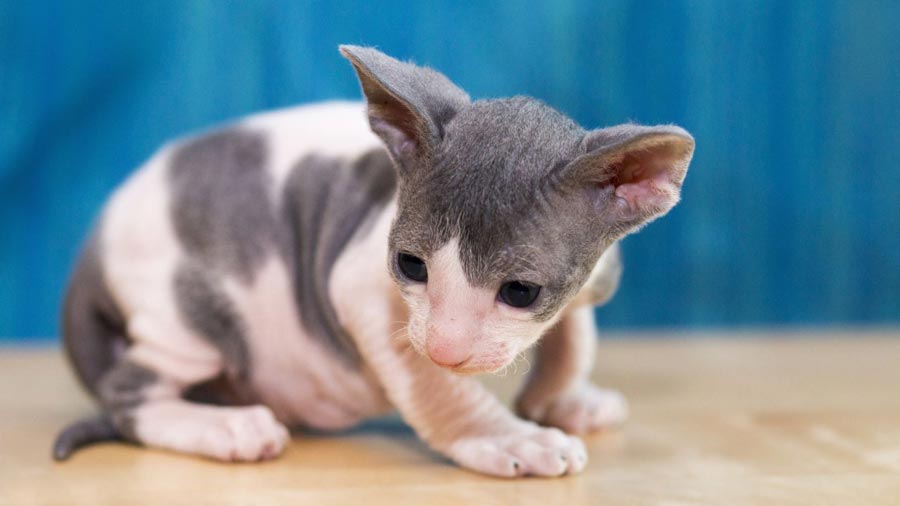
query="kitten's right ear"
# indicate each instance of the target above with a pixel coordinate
(408, 105)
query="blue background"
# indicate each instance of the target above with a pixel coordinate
(790, 214)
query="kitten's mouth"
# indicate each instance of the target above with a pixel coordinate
(470, 367)
(463, 368)
(467, 367)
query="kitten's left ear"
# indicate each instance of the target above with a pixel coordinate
(638, 169)
(408, 105)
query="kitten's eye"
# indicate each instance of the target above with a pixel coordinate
(519, 293)
(412, 267)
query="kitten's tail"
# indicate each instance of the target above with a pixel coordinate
(95, 429)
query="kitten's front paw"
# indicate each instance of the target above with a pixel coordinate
(245, 434)
(531, 450)
(586, 409)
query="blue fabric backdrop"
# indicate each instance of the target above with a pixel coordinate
(791, 212)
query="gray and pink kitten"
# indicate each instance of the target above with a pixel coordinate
(309, 268)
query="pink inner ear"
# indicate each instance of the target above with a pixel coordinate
(400, 142)
(642, 182)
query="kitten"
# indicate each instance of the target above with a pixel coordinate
(302, 268)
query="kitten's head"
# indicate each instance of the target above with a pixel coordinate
(504, 206)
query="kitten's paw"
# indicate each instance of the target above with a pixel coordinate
(532, 450)
(244, 435)
(583, 410)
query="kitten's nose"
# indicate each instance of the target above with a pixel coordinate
(449, 349)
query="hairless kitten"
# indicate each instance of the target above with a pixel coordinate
(309, 268)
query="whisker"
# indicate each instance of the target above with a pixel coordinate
(524, 357)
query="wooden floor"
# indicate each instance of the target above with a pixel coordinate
(753, 419)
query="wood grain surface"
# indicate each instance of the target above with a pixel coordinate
(758, 418)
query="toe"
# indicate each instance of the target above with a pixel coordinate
(247, 440)
(539, 460)
(488, 458)
(575, 455)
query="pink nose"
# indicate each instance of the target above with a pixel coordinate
(448, 351)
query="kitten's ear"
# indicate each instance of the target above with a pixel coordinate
(639, 170)
(408, 105)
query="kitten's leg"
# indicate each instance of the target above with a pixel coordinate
(455, 414)
(142, 394)
(458, 417)
(559, 392)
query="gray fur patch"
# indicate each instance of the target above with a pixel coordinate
(122, 390)
(326, 202)
(93, 327)
(221, 201)
(498, 175)
(494, 185)
(408, 105)
(206, 308)
(224, 217)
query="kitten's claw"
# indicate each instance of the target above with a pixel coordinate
(534, 451)
(586, 409)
